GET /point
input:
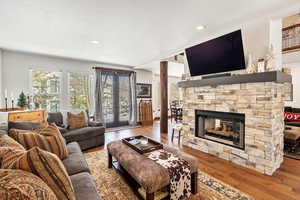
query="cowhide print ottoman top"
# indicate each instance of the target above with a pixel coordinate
(149, 174)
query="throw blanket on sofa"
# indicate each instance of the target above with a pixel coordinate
(179, 171)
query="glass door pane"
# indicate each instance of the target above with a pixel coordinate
(108, 100)
(124, 105)
(116, 99)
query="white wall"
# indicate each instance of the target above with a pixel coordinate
(291, 57)
(16, 66)
(257, 35)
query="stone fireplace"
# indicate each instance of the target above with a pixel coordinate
(238, 118)
(222, 127)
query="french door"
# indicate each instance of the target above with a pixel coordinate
(116, 99)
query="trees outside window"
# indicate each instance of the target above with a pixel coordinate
(80, 90)
(46, 89)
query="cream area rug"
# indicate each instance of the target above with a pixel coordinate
(111, 185)
(120, 128)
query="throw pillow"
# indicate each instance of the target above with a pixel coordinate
(77, 120)
(47, 137)
(77, 111)
(6, 141)
(22, 185)
(10, 150)
(53, 130)
(49, 168)
(292, 117)
(9, 155)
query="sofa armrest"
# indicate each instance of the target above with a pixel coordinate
(95, 124)
(62, 130)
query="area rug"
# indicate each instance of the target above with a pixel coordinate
(120, 128)
(111, 186)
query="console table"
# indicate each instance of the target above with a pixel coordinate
(27, 116)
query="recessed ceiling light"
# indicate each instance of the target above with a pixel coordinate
(94, 42)
(200, 27)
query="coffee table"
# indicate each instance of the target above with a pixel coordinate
(140, 171)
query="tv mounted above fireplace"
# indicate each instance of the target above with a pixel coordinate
(222, 54)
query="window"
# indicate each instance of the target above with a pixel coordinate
(80, 90)
(46, 89)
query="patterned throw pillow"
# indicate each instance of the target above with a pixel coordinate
(10, 150)
(50, 169)
(52, 129)
(77, 120)
(9, 155)
(47, 137)
(22, 185)
(6, 141)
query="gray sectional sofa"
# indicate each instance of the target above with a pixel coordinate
(75, 165)
(87, 137)
(79, 173)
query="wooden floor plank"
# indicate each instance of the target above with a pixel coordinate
(283, 185)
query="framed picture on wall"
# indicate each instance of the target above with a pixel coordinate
(143, 90)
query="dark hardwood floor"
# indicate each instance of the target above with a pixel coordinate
(283, 185)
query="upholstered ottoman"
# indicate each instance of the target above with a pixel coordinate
(147, 173)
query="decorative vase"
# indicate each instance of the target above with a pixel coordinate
(270, 59)
(251, 68)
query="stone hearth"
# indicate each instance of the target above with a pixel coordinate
(263, 105)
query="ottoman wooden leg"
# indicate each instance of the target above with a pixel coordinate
(149, 196)
(109, 160)
(172, 135)
(194, 182)
(179, 132)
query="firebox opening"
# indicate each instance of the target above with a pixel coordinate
(223, 127)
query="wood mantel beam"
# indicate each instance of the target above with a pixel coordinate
(164, 96)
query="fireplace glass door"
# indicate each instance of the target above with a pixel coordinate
(222, 127)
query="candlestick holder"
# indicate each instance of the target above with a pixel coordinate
(28, 102)
(6, 104)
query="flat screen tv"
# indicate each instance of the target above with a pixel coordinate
(223, 54)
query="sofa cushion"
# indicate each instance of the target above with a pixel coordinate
(56, 117)
(47, 138)
(49, 168)
(75, 163)
(24, 125)
(22, 185)
(77, 120)
(83, 133)
(84, 187)
(95, 123)
(62, 130)
(73, 147)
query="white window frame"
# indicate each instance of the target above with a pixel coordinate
(60, 75)
(91, 87)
